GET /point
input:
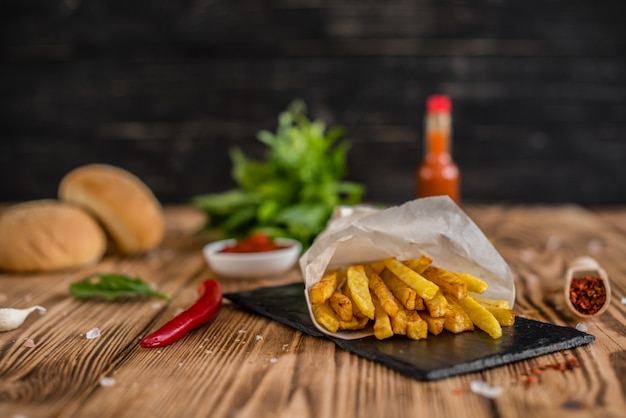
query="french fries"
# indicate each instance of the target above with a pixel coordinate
(447, 281)
(435, 325)
(412, 298)
(385, 297)
(416, 327)
(402, 292)
(473, 283)
(413, 279)
(325, 315)
(382, 322)
(342, 305)
(438, 306)
(358, 283)
(457, 320)
(505, 317)
(322, 290)
(481, 317)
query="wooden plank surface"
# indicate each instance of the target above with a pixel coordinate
(245, 365)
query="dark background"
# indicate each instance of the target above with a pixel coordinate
(164, 88)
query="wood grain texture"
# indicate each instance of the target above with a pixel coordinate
(245, 365)
(165, 89)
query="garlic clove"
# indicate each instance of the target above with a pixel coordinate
(11, 318)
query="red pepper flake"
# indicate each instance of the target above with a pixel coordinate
(587, 294)
(572, 363)
(533, 376)
(457, 391)
(530, 380)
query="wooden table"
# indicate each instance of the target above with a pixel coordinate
(245, 365)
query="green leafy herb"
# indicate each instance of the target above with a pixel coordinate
(293, 191)
(112, 286)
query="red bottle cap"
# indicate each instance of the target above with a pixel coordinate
(438, 103)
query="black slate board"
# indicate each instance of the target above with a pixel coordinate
(430, 359)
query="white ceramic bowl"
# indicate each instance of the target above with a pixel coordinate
(252, 265)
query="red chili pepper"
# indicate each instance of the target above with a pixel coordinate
(201, 312)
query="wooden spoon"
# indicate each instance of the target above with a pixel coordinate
(581, 267)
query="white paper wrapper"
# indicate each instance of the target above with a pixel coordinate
(433, 226)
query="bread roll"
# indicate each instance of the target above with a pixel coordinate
(123, 204)
(46, 235)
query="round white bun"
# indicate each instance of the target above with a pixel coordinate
(46, 235)
(124, 205)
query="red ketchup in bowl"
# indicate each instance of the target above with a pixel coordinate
(256, 243)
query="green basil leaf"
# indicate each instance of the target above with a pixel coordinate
(112, 286)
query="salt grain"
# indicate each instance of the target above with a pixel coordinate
(532, 278)
(594, 246)
(623, 301)
(482, 388)
(553, 242)
(527, 255)
(93, 333)
(29, 343)
(273, 360)
(258, 337)
(107, 382)
(581, 327)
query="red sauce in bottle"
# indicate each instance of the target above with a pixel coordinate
(438, 174)
(255, 243)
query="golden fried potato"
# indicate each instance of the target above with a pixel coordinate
(382, 292)
(505, 317)
(411, 298)
(353, 324)
(416, 328)
(457, 320)
(382, 322)
(481, 317)
(322, 290)
(488, 302)
(401, 290)
(356, 312)
(358, 283)
(473, 283)
(425, 288)
(325, 316)
(342, 305)
(437, 306)
(399, 322)
(435, 325)
(419, 303)
(418, 265)
(377, 266)
(446, 281)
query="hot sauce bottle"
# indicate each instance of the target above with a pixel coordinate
(437, 174)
